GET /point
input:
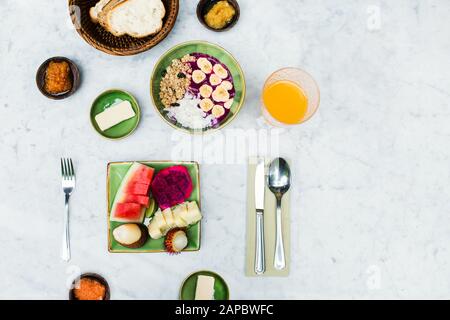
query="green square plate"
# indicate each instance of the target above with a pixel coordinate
(115, 174)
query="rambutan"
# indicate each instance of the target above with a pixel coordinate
(176, 240)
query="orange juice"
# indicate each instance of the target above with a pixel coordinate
(286, 101)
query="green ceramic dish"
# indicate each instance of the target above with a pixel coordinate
(187, 291)
(201, 47)
(107, 99)
(115, 173)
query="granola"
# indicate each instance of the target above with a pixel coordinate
(175, 81)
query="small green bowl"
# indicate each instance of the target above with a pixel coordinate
(105, 100)
(187, 291)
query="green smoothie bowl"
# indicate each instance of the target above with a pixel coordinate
(197, 87)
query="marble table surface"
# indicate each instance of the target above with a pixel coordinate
(370, 197)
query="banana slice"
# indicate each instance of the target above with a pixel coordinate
(204, 65)
(214, 79)
(206, 90)
(229, 103)
(227, 85)
(218, 111)
(158, 223)
(220, 94)
(220, 71)
(178, 214)
(168, 217)
(198, 76)
(206, 104)
(193, 214)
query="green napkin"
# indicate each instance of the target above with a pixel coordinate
(269, 226)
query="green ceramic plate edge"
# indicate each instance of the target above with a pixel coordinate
(115, 173)
(130, 124)
(187, 290)
(214, 50)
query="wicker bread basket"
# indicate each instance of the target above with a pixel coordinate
(99, 38)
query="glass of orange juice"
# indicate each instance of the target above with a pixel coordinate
(290, 96)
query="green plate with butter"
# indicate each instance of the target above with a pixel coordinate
(189, 286)
(106, 100)
(116, 172)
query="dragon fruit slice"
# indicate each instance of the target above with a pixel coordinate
(172, 186)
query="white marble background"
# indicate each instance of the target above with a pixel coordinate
(370, 205)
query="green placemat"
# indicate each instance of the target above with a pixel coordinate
(269, 226)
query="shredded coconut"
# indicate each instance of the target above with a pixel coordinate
(189, 115)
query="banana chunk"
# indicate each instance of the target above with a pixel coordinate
(204, 65)
(220, 71)
(206, 104)
(218, 111)
(214, 79)
(220, 94)
(229, 103)
(205, 91)
(227, 85)
(198, 76)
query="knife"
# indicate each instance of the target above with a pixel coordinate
(260, 187)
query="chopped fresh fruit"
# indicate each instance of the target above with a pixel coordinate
(198, 76)
(133, 198)
(205, 91)
(154, 231)
(227, 85)
(151, 208)
(193, 214)
(158, 223)
(132, 194)
(228, 104)
(168, 217)
(176, 240)
(218, 111)
(204, 65)
(214, 79)
(220, 71)
(143, 174)
(172, 186)
(220, 94)
(206, 104)
(178, 213)
(128, 212)
(130, 235)
(137, 188)
(180, 216)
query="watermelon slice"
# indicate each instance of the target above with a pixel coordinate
(137, 188)
(131, 194)
(128, 212)
(133, 198)
(172, 186)
(143, 174)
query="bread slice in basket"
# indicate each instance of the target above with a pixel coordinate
(137, 18)
(95, 11)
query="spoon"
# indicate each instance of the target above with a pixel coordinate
(279, 181)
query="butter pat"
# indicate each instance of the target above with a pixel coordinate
(114, 115)
(205, 288)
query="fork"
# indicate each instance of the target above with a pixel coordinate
(68, 185)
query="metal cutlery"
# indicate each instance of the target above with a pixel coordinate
(68, 185)
(279, 182)
(260, 186)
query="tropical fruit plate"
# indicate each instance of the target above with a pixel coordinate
(131, 188)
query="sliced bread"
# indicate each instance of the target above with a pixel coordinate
(137, 18)
(95, 11)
